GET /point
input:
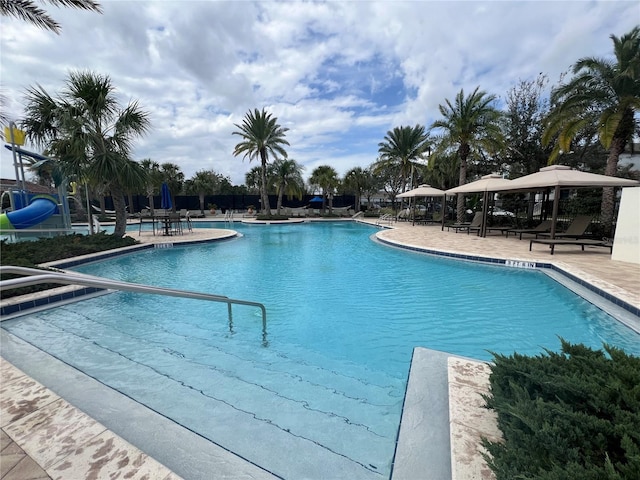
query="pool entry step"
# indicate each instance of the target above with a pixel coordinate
(295, 414)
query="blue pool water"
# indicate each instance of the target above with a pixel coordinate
(343, 315)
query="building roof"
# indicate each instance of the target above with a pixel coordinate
(12, 184)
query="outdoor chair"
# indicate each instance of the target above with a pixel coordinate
(542, 227)
(175, 223)
(147, 218)
(576, 229)
(475, 224)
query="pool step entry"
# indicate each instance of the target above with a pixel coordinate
(282, 412)
(33, 276)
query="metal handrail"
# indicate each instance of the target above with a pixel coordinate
(35, 276)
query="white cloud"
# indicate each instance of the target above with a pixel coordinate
(337, 74)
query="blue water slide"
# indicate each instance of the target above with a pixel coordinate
(36, 212)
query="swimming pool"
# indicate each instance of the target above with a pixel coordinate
(343, 316)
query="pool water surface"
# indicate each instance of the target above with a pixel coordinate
(343, 314)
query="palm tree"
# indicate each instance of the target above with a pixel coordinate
(28, 11)
(203, 182)
(90, 134)
(174, 178)
(287, 176)
(153, 180)
(470, 124)
(327, 179)
(442, 171)
(358, 180)
(607, 91)
(403, 146)
(262, 136)
(252, 179)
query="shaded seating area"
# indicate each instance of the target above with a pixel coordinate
(542, 227)
(553, 242)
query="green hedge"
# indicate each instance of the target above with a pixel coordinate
(566, 416)
(30, 254)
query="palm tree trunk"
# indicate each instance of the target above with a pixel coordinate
(266, 208)
(280, 195)
(608, 200)
(150, 198)
(201, 198)
(462, 181)
(119, 205)
(130, 199)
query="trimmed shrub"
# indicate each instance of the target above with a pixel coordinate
(30, 254)
(568, 415)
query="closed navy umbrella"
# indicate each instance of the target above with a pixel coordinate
(165, 197)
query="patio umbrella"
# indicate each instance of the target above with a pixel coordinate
(165, 197)
(563, 176)
(487, 184)
(316, 200)
(425, 191)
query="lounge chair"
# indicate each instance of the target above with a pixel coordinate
(552, 242)
(475, 224)
(542, 227)
(502, 229)
(576, 229)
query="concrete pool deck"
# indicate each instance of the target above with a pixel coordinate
(426, 416)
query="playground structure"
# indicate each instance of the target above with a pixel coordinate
(30, 215)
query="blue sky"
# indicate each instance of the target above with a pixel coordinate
(339, 75)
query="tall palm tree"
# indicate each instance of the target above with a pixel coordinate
(607, 91)
(287, 176)
(262, 136)
(90, 134)
(327, 179)
(28, 11)
(469, 124)
(403, 146)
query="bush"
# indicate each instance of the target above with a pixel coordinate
(272, 217)
(568, 415)
(30, 254)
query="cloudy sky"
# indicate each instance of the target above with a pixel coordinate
(338, 74)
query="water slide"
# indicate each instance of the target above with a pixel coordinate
(40, 208)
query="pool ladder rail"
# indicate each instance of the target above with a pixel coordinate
(33, 276)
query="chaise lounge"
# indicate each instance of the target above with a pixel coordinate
(576, 229)
(552, 242)
(475, 224)
(542, 227)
